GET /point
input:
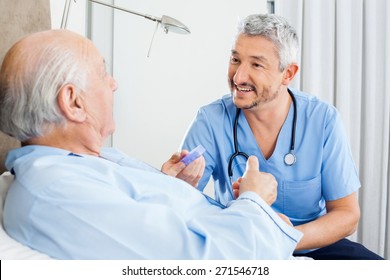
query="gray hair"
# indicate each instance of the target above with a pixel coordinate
(277, 30)
(29, 84)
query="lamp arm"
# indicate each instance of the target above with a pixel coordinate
(167, 23)
(128, 11)
(65, 14)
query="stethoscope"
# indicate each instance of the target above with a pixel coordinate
(289, 158)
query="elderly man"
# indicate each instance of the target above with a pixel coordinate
(74, 199)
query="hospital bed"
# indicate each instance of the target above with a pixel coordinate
(10, 249)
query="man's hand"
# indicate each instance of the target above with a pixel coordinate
(191, 173)
(264, 184)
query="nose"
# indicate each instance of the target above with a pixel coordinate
(114, 84)
(241, 75)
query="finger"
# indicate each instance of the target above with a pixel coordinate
(175, 157)
(183, 153)
(252, 163)
(193, 172)
(196, 167)
(236, 193)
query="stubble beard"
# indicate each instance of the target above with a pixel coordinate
(264, 97)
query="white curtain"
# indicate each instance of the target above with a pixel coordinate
(345, 60)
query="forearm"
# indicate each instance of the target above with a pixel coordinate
(327, 229)
(265, 231)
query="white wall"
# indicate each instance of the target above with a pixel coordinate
(77, 15)
(159, 96)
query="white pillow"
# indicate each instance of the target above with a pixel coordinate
(10, 249)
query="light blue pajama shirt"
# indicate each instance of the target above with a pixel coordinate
(115, 207)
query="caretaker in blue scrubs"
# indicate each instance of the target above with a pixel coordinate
(296, 137)
(323, 162)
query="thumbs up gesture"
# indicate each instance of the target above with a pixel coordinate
(264, 184)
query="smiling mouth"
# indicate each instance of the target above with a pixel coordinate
(244, 89)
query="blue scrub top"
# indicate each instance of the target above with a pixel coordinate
(324, 170)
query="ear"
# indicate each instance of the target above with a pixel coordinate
(71, 104)
(289, 73)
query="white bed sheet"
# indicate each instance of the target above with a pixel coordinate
(10, 249)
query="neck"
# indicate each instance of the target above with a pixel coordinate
(76, 143)
(266, 121)
(272, 113)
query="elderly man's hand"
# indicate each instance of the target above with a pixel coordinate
(262, 183)
(190, 173)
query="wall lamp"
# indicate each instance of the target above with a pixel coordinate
(167, 23)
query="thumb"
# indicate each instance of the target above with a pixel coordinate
(252, 164)
(175, 157)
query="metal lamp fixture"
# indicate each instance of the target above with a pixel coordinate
(167, 23)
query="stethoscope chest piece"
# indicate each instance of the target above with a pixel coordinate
(290, 158)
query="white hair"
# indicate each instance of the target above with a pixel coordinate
(29, 85)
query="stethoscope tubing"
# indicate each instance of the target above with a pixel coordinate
(289, 158)
(235, 142)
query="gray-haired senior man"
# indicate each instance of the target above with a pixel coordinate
(74, 199)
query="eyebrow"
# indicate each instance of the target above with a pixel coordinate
(256, 57)
(104, 64)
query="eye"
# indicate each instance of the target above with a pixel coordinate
(234, 60)
(257, 65)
